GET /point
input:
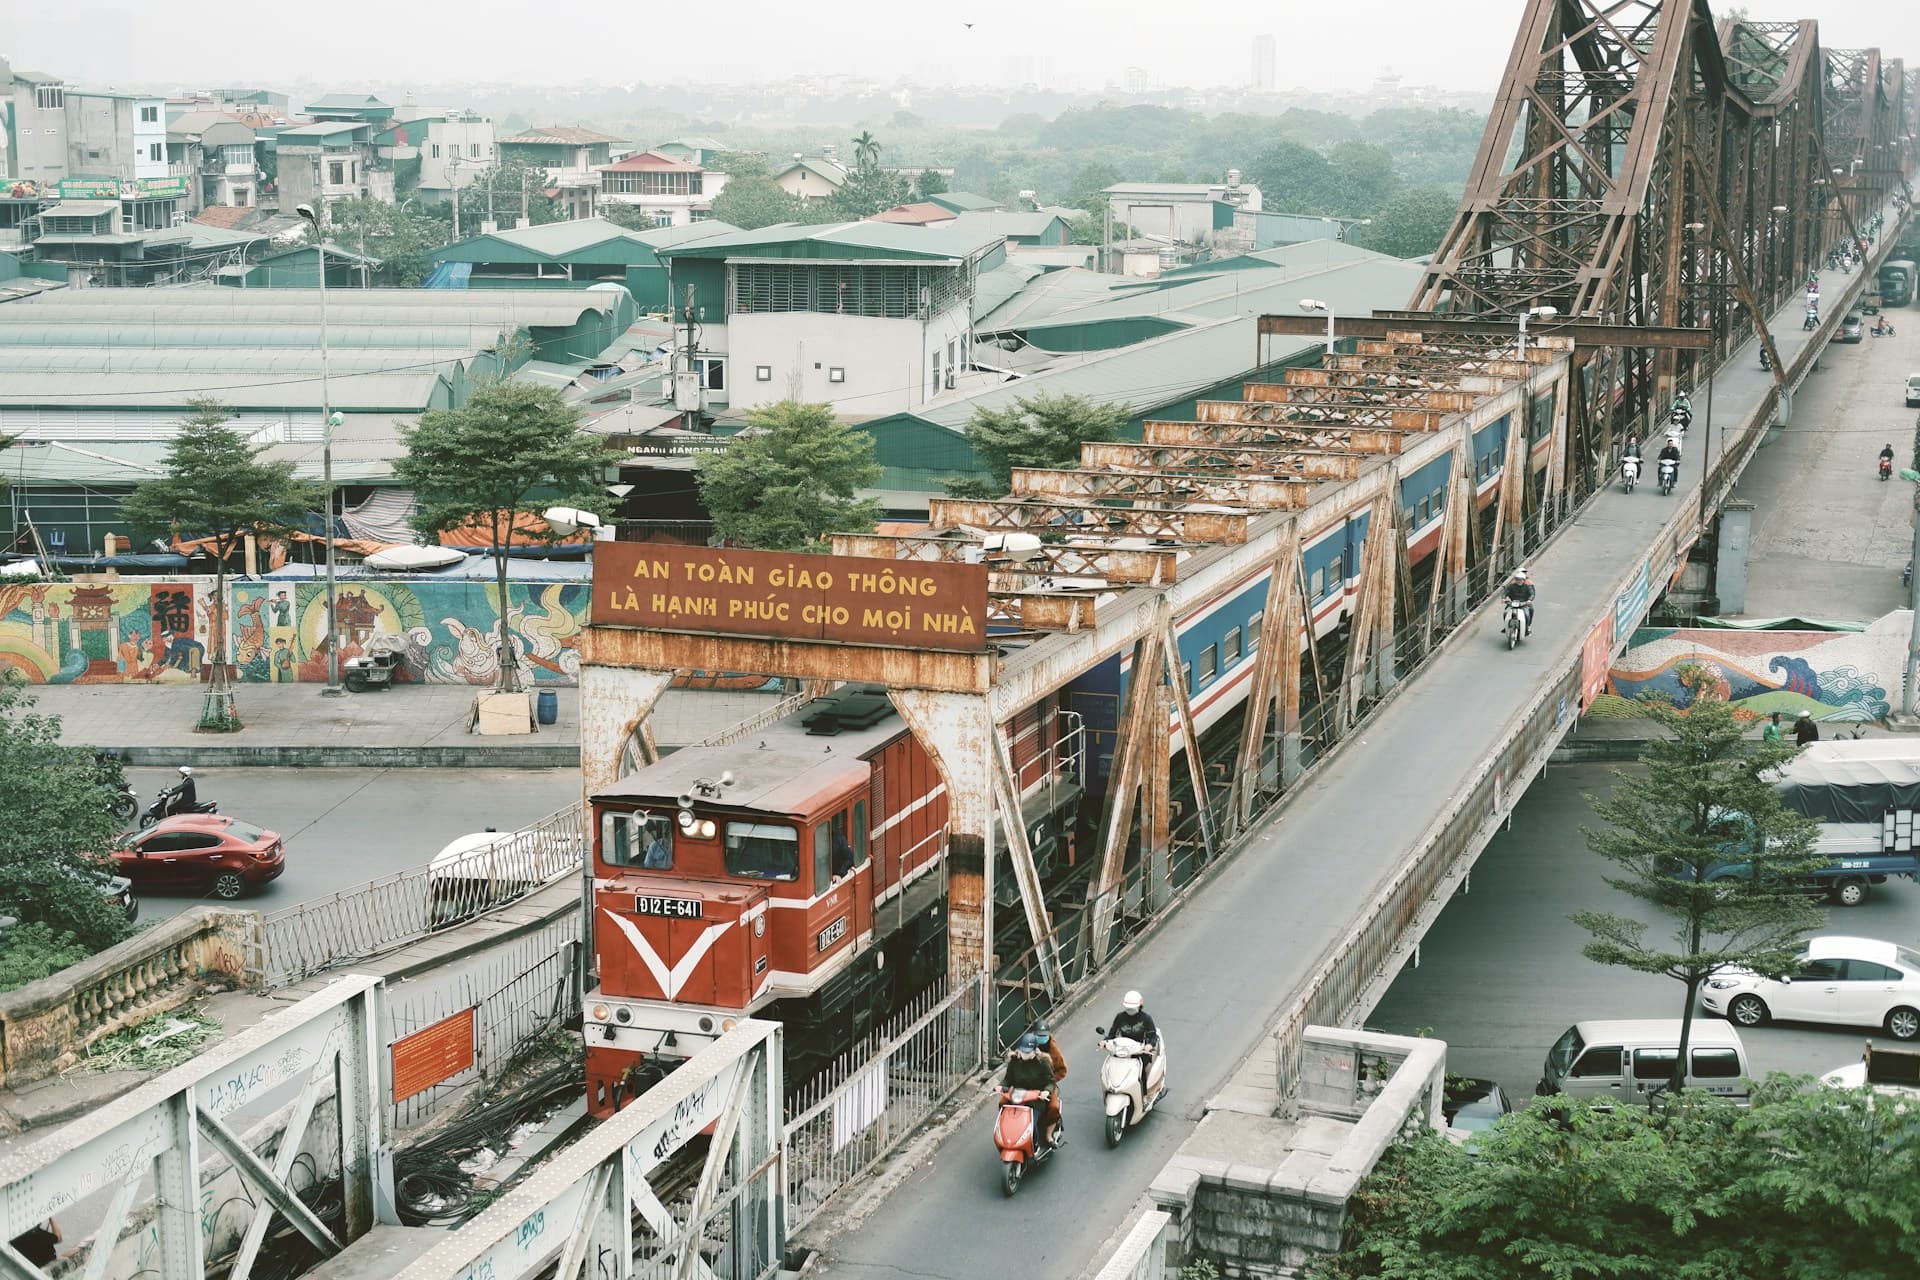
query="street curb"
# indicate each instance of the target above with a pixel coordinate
(558, 756)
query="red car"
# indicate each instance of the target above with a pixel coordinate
(202, 850)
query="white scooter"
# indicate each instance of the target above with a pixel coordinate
(1513, 623)
(1127, 1102)
(1669, 474)
(1630, 471)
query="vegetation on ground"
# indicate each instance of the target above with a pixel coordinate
(159, 1043)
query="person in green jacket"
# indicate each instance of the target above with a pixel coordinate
(1771, 734)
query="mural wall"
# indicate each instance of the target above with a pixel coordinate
(159, 632)
(1835, 675)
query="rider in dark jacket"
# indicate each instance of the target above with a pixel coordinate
(1133, 1022)
(1520, 591)
(186, 796)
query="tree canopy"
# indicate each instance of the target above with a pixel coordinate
(1410, 225)
(58, 798)
(1703, 804)
(1808, 1184)
(400, 239)
(218, 486)
(513, 449)
(790, 479)
(504, 183)
(1034, 431)
(754, 202)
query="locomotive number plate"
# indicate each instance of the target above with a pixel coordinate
(672, 908)
(833, 933)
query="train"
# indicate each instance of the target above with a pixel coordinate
(799, 873)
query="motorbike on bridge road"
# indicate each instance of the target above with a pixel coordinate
(1017, 1134)
(1129, 1096)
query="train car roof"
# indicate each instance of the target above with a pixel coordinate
(783, 768)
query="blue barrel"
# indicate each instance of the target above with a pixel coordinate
(549, 706)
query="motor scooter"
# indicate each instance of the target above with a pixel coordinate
(1129, 1098)
(1629, 471)
(166, 805)
(1017, 1136)
(1669, 473)
(1886, 468)
(1514, 623)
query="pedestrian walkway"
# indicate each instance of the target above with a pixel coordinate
(421, 726)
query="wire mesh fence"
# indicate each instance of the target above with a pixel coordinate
(841, 1123)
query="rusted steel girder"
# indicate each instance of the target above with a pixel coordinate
(1281, 435)
(1381, 323)
(1255, 411)
(1260, 493)
(1132, 566)
(1040, 610)
(1179, 524)
(1305, 464)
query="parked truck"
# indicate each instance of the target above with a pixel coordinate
(1897, 282)
(1864, 793)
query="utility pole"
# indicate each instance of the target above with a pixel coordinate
(526, 218)
(686, 386)
(315, 215)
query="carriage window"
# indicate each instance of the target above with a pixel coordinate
(637, 840)
(1209, 664)
(1253, 632)
(858, 835)
(762, 851)
(1230, 647)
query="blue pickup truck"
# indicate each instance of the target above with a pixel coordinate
(1865, 794)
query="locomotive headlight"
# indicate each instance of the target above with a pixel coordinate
(706, 1024)
(623, 1014)
(599, 1013)
(726, 1024)
(759, 926)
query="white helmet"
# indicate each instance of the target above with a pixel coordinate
(1131, 1002)
(185, 772)
(1520, 574)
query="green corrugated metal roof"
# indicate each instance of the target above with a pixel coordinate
(840, 240)
(320, 129)
(964, 201)
(992, 288)
(400, 392)
(1005, 223)
(583, 240)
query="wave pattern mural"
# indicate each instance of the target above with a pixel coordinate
(1846, 675)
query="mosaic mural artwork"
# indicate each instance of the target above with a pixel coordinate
(443, 630)
(1836, 675)
(105, 633)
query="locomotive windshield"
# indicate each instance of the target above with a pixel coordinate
(638, 840)
(762, 851)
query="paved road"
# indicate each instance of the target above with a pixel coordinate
(1828, 537)
(346, 826)
(1501, 974)
(1225, 967)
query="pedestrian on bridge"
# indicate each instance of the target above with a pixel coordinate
(1805, 730)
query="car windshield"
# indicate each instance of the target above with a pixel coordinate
(245, 831)
(1564, 1051)
(762, 851)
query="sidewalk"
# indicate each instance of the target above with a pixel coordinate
(28, 1111)
(418, 726)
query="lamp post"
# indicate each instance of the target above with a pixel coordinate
(1533, 313)
(1773, 227)
(328, 421)
(1310, 305)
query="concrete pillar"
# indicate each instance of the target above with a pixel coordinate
(1730, 566)
(956, 729)
(614, 705)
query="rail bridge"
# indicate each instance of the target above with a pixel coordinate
(1314, 728)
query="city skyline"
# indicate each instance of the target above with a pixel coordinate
(1457, 47)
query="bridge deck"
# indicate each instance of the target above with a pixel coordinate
(1218, 973)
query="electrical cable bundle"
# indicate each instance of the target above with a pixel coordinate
(429, 1183)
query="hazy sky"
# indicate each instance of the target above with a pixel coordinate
(1321, 44)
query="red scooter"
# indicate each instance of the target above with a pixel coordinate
(1886, 468)
(1016, 1133)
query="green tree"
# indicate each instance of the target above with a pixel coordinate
(499, 188)
(740, 165)
(929, 183)
(1294, 178)
(630, 216)
(52, 850)
(1705, 802)
(1411, 225)
(867, 191)
(866, 151)
(217, 486)
(752, 203)
(481, 466)
(790, 479)
(1360, 177)
(1034, 431)
(1808, 1184)
(398, 238)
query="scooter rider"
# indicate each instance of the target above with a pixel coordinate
(1133, 1022)
(1886, 460)
(1030, 1067)
(1050, 1044)
(1520, 591)
(185, 796)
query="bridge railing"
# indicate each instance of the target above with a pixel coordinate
(393, 910)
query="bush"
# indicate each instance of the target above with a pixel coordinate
(30, 952)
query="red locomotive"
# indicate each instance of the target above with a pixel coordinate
(797, 874)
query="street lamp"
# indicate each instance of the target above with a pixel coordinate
(328, 421)
(1531, 313)
(1773, 226)
(1310, 305)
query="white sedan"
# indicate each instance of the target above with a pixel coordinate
(1855, 982)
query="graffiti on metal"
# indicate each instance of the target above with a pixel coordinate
(838, 600)
(689, 1116)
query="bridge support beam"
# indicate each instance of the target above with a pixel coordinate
(956, 729)
(1273, 700)
(616, 726)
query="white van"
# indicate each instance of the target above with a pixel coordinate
(1913, 389)
(1611, 1063)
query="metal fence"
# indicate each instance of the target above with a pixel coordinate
(844, 1121)
(456, 887)
(518, 994)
